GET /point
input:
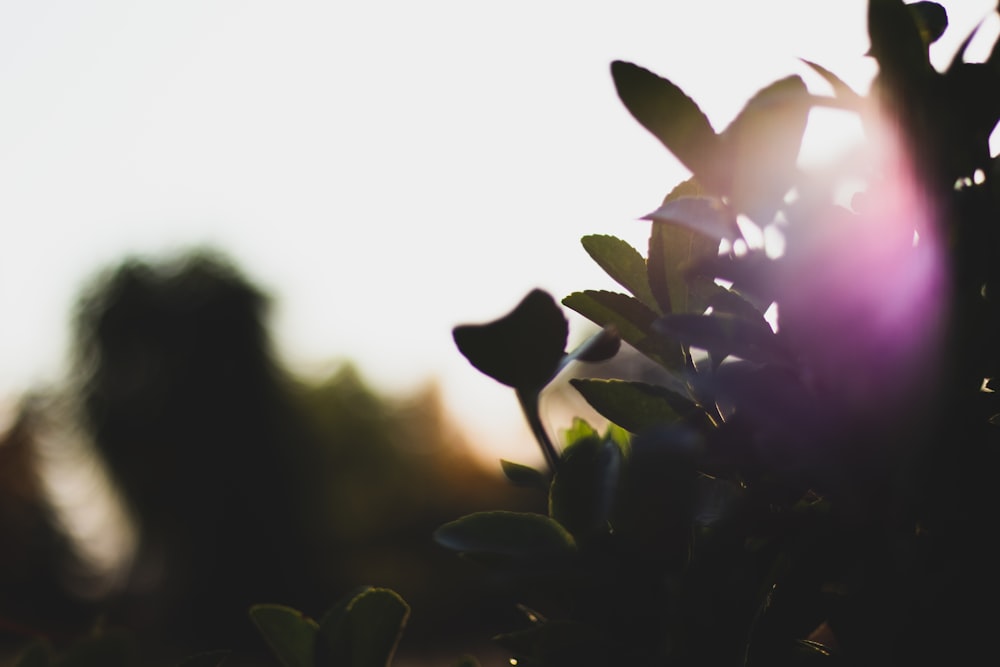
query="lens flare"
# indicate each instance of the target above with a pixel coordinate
(864, 289)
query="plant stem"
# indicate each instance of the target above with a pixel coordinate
(529, 406)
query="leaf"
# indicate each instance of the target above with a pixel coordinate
(517, 536)
(706, 215)
(673, 251)
(579, 430)
(761, 148)
(637, 406)
(601, 346)
(522, 475)
(374, 624)
(623, 263)
(363, 628)
(840, 89)
(289, 633)
(524, 348)
(632, 319)
(583, 491)
(724, 334)
(672, 117)
(896, 42)
(931, 20)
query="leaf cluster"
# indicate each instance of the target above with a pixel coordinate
(803, 488)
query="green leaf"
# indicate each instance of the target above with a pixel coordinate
(520, 536)
(289, 633)
(524, 348)
(706, 215)
(637, 406)
(724, 334)
(632, 319)
(522, 475)
(579, 430)
(583, 491)
(623, 263)
(761, 148)
(673, 251)
(673, 118)
(466, 661)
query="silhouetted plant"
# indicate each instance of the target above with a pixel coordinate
(819, 490)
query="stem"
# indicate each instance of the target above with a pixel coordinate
(529, 406)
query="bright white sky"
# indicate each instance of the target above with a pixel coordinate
(385, 169)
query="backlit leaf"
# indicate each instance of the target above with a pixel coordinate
(623, 263)
(511, 535)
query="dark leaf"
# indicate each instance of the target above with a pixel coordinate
(524, 348)
(896, 42)
(672, 117)
(632, 319)
(840, 89)
(363, 628)
(602, 346)
(522, 475)
(637, 406)
(289, 633)
(761, 148)
(510, 535)
(931, 20)
(582, 494)
(623, 263)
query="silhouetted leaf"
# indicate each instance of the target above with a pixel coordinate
(724, 334)
(601, 346)
(289, 633)
(522, 475)
(840, 89)
(637, 406)
(672, 117)
(632, 319)
(896, 41)
(931, 20)
(466, 661)
(761, 148)
(623, 263)
(523, 349)
(512, 535)
(707, 215)
(582, 494)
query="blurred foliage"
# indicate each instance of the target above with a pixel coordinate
(819, 491)
(246, 485)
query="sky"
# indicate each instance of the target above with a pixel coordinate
(385, 170)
